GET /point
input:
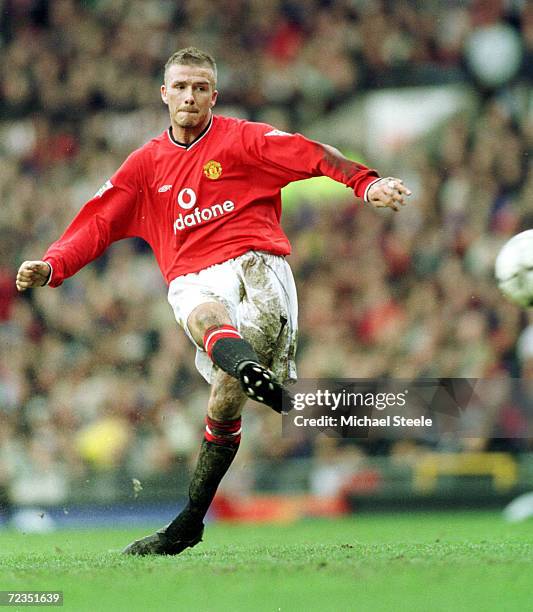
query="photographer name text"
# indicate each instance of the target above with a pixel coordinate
(361, 421)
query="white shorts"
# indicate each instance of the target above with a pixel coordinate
(259, 294)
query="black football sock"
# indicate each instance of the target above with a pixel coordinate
(228, 349)
(219, 447)
(231, 353)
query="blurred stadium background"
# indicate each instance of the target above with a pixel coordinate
(101, 409)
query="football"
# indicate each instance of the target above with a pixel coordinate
(514, 269)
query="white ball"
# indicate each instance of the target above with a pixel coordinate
(514, 269)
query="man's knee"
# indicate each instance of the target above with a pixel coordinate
(204, 316)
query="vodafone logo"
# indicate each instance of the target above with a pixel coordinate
(187, 198)
(198, 217)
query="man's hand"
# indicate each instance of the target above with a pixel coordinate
(388, 192)
(33, 274)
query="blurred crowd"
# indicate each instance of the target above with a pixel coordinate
(66, 58)
(96, 375)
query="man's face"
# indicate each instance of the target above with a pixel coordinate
(189, 93)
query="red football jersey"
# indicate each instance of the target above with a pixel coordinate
(204, 203)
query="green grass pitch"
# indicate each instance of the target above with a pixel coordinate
(444, 561)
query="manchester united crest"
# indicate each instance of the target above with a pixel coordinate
(213, 170)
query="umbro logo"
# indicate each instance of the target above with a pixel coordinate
(277, 133)
(107, 185)
(164, 188)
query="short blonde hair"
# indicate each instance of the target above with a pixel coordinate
(192, 56)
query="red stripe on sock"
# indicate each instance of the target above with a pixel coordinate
(225, 433)
(216, 333)
(225, 426)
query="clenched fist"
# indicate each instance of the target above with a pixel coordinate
(388, 192)
(33, 274)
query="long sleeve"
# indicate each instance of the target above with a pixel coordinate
(293, 157)
(112, 214)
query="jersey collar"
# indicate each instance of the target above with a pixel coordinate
(182, 145)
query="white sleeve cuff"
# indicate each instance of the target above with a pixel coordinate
(365, 195)
(51, 273)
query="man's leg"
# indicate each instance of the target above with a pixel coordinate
(240, 375)
(219, 447)
(211, 327)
